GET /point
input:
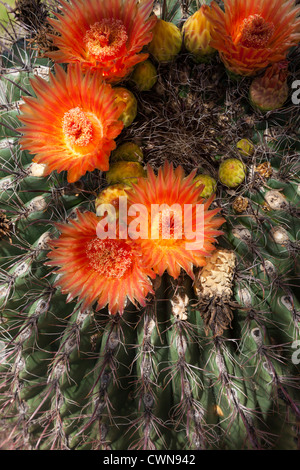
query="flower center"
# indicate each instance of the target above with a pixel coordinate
(255, 32)
(110, 258)
(77, 127)
(105, 38)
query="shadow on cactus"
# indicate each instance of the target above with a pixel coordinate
(136, 342)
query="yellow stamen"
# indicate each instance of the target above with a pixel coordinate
(110, 258)
(255, 32)
(77, 127)
(105, 38)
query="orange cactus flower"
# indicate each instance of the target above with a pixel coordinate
(252, 34)
(172, 237)
(106, 271)
(105, 35)
(72, 122)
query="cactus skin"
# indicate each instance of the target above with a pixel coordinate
(188, 372)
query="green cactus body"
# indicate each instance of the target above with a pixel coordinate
(208, 363)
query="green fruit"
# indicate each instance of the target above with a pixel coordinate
(130, 111)
(144, 75)
(125, 172)
(232, 172)
(4, 10)
(245, 147)
(128, 152)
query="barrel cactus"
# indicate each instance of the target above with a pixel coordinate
(191, 352)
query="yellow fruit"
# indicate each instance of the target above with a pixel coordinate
(130, 111)
(166, 42)
(210, 185)
(144, 75)
(196, 34)
(128, 152)
(232, 172)
(110, 195)
(245, 147)
(125, 172)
